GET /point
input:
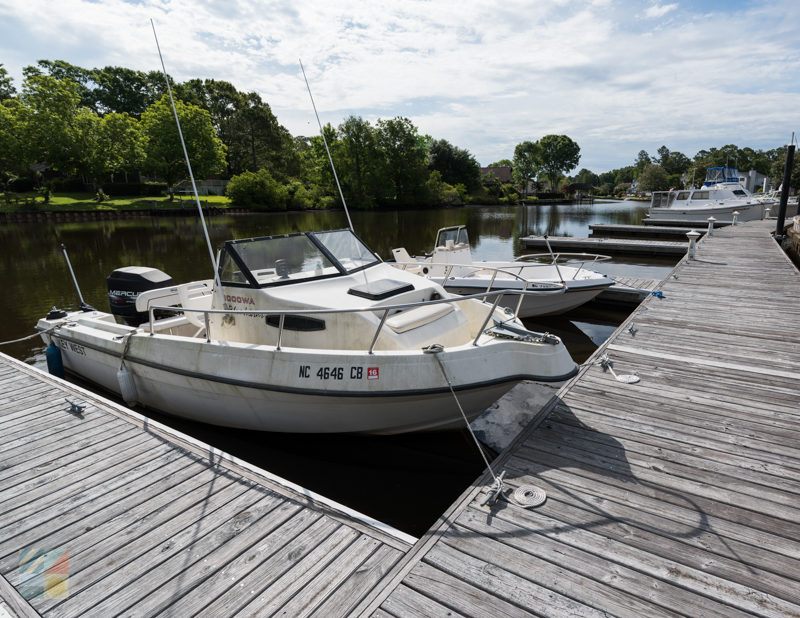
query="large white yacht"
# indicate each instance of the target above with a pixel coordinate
(720, 196)
(308, 332)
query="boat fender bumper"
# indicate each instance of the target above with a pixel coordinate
(127, 386)
(55, 364)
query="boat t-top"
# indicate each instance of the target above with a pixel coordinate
(720, 196)
(306, 332)
(565, 280)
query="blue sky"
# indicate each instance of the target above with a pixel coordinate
(616, 76)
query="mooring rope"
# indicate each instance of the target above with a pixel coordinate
(39, 334)
(434, 349)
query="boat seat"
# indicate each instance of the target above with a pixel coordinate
(196, 295)
(414, 318)
(401, 255)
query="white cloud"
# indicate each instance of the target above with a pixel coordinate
(484, 77)
(659, 10)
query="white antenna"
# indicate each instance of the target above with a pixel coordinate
(326, 148)
(189, 166)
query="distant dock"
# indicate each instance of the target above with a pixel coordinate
(606, 245)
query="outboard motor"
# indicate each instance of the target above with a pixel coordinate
(125, 285)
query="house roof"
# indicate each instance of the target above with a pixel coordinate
(503, 174)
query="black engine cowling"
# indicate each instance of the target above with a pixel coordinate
(125, 285)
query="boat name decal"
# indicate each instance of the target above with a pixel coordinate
(72, 347)
(239, 299)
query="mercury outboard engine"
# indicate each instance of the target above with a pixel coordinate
(125, 285)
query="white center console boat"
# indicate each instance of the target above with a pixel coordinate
(561, 286)
(307, 332)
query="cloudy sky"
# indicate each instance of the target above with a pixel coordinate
(617, 76)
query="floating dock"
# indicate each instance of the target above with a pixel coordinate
(697, 225)
(154, 522)
(676, 496)
(606, 245)
(628, 290)
(609, 229)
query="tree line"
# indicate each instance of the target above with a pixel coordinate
(671, 169)
(98, 122)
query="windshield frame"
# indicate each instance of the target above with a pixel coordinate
(229, 248)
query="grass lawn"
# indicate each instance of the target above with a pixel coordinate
(84, 201)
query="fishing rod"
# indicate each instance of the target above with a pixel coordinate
(328, 150)
(191, 176)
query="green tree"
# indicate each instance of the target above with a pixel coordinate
(164, 152)
(527, 164)
(406, 159)
(109, 144)
(48, 112)
(559, 155)
(7, 90)
(456, 165)
(362, 163)
(123, 91)
(779, 165)
(663, 156)
(653, 178)
(642, 160)
(12, 141)
(502, 163)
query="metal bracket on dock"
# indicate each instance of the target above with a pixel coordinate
(75, 408)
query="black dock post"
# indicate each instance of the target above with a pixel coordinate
(787, 177)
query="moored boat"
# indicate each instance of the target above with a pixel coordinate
(307, 332)
(720, 197)
(564, 279)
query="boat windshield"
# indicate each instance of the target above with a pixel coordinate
(457, 234)
(277, 260)
(347, 249)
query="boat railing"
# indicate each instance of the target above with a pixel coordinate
(384, 308)
(552, 288)
(570, 257)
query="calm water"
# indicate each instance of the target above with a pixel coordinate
(405, 481)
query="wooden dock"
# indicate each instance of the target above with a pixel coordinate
(606, 245)
(158, 523)
(628, 290)
(676, 496)
(609, 229)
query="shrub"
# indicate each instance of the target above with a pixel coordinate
(20, 184)
(143, 189)
(298, 197)
(257, 190)
(64, 184)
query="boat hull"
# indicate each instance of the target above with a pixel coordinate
(301, 391)
(751, 212)
(577, 294)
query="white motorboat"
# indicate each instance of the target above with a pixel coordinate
(306, 332)
(563, 286)
(720, 196)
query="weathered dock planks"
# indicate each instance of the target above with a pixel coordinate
(628, 290)
(676, 496)
(605, 245)
(157, 523)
